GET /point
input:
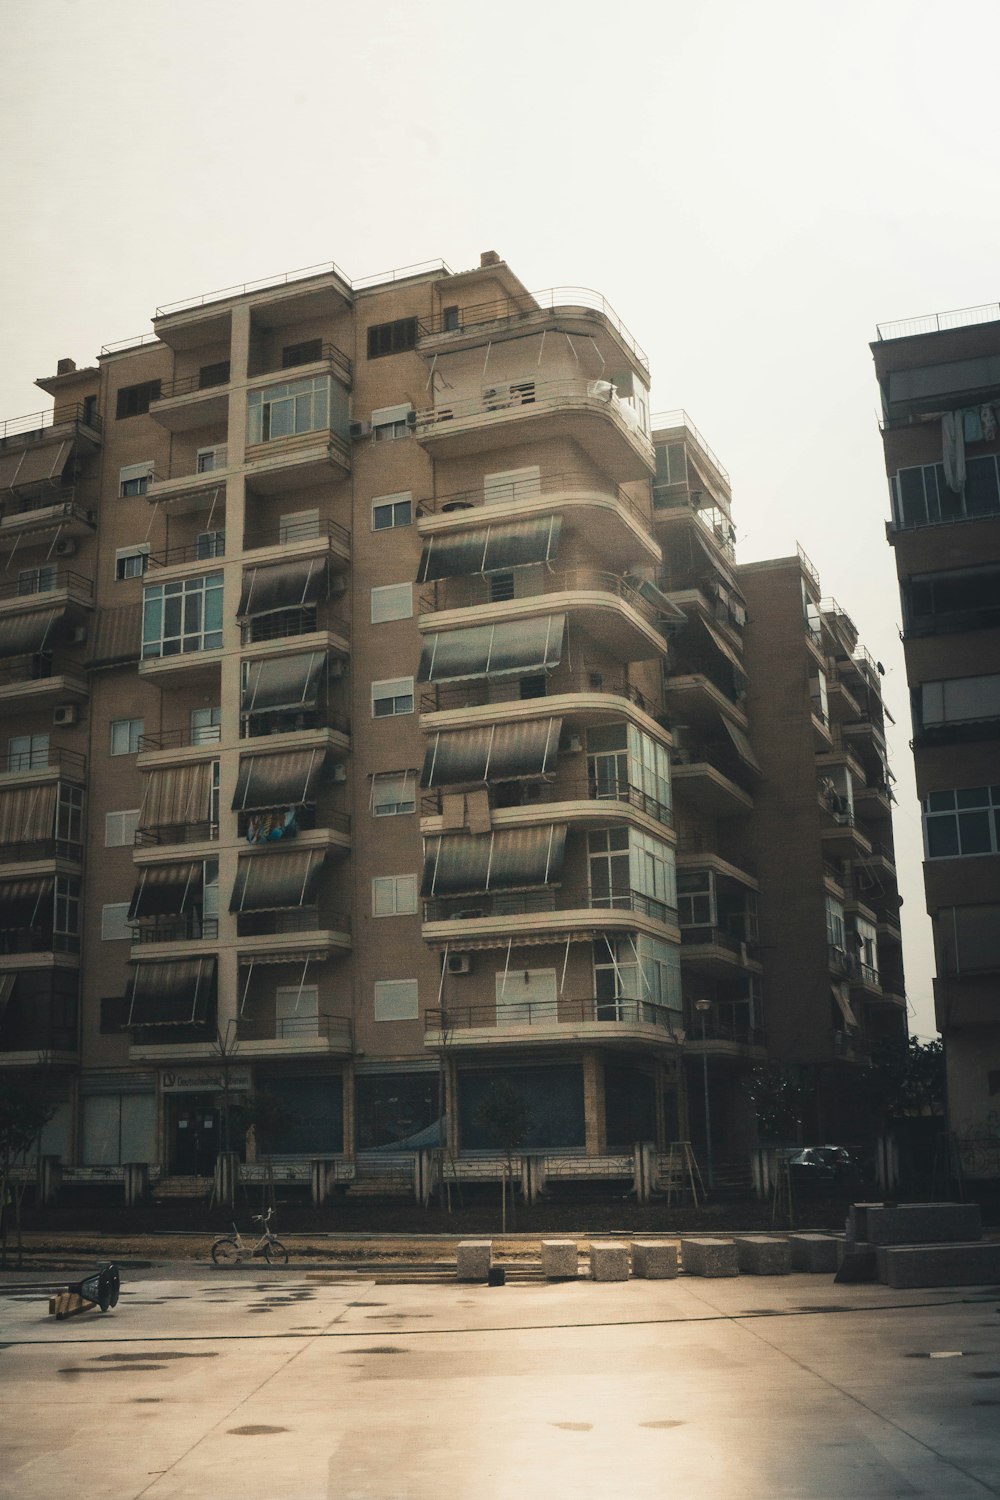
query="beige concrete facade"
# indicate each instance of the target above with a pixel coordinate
(940, 392)
(403, 666)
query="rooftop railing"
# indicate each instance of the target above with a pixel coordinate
(808, 567)
(962, 317)
(511, 308)
(668, 420)
(39, 421)
(304, 273)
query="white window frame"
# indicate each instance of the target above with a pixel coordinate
(308, 402)
(27, 752)
(391, 422)
(209, 731)
(133, 479)
(988, 806)
(207, 589)
(397, 1000)
(381, 694)
(115, 926)
(394, 895)
(207, 460)
(402, 805)
(120, 827)
(39, 580)
(134, 730)
(125, 555)
(391, 601)
(392, 504)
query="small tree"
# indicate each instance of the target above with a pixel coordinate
(907, 1079)
(269, 1118)
(24, 1113)
(778, 1095)
(505, 1119)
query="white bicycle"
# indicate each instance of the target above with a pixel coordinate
(229, 1249)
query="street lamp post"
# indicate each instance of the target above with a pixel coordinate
(703, 1007)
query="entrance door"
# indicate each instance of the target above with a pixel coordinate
(196, 1135)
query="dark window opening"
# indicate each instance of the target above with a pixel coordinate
(392, 338)
(306, 353)
(133, 400)
(450, 319)
(210, 375)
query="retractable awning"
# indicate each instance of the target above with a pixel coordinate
(20, 635)
(288, 585)
(27, 813)
(172, 994)
(288, 780)
(6, 990)
(743, 747)
(669, 612)
(116, 636)
(24, 902)
(842, 996)
(495, 752)
(489, 549)
(23, 466)
(509, 859)
(277, 882)
(177, 794)
(167, 890)
(282, 682)
(722, 646)
(509, 648)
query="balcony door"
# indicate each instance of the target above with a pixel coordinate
(527, 997)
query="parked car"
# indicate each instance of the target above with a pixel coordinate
(823, 1163)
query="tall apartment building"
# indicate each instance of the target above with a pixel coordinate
(349, 635)
(940, 386)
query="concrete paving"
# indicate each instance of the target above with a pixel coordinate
(286, 1385)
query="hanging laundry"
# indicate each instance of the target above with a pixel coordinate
(953, 450)
(988, 419)
(972, 425)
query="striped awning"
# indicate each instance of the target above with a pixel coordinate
(288, 585)
(494, 752)
(116, 636)
(723, 646)
(277, 882)
(509, 859)
(26, 903)
(288, 780)
(27, 813)
(177, 794)
(508, 648)
(282, 683)
(172, 994)
(20, 467)
(490, 549)
(167, 890)
(20, 635)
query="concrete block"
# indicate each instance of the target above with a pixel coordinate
(760, 1255)
(608, 1261)
(656, 1260)
(923, 1223)
(474, 1260)
(975, 1263)
(813, 1252)
(559, 1260)
(709, 1257)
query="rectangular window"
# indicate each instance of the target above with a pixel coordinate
(394, 895)
(183, 616)
(959, 700)
(27, 752)
(293, 406)
(119, 828)
(834, 922)
(133, 400)
(306, 353)
(392, 510)
(212, 458)
(396, 1000)
(390, 422)
(392, 696)
(392, 601)
(66, 908)
(212, 375)
(37, 580)
(451, 319)
(69, 814)
(114, 922)
(393, 793)
(134, 479)
(206, 726)
(968, 939)
(392, 338)
(696, 899)
(962, 823)
(125, 736)
(131, 562)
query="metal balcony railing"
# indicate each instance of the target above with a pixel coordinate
(45, 757)
(561, 1012)
(331, 1028)
(718, 1030)
(45, 580)
(37, 667)
(209, 545)
(172, 739)
(568, 482)
(962, 317)
(339, 364)
(511, 309)
(469, 592)
(290, 921)
(188, 928)
(665, 421)
(211, 380)
(39, 421)
(535, 396)
(548, 899)
(38, 940)
(279, 533)
(532, 793)
(718, 937)
(32, 849)
(176, 833)
(282, 624)
(482, 691)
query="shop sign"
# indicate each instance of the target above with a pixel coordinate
(204, 1080)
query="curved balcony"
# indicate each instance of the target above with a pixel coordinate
(586, 411)
(566, 309)
(534, 1023)
(579, 697)
(718, 952)
(550, 914)
(512, 802)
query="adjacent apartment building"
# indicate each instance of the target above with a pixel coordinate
(940, 384)
(380, 699)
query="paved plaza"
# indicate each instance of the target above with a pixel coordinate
(300, 1385)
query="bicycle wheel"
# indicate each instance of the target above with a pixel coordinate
(275, 1253)
(225, 1252)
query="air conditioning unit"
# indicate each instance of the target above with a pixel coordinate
(65, 547)
(64, 713)
(340, 773)
(359, 430)
(574, 744)
(459, 963)
(411, 419)
(78, 636)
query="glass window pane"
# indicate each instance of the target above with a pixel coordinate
(973, 796)
(942, 838)
(974, 832)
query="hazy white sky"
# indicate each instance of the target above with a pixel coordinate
(752, 187)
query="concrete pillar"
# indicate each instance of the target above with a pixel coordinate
(49, 1178)
(350, 1132)
(227, 1176)
(324, 1175)
(136, 1182)
(593, 1103)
